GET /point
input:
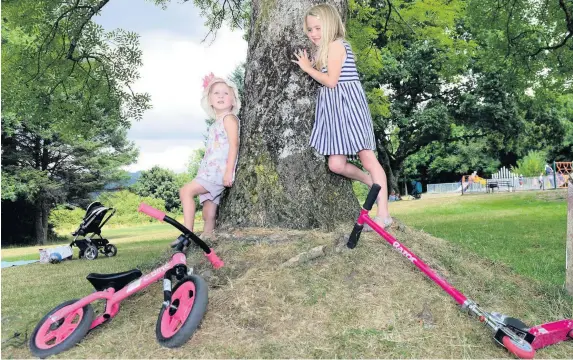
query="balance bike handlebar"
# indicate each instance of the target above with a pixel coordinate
(161, 216)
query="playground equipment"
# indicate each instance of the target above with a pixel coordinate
(469, 180)
(563, 171)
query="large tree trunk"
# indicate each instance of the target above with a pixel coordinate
(281, 181)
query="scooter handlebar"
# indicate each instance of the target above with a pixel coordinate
(371, 198)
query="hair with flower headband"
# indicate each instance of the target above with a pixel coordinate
(208, 82)
(207, 79)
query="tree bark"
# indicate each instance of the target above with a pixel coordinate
(281, 181)
(569, 242)
(41, 223)
(42, 202)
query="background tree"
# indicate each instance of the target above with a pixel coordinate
(238, 77)
(532, 165)
(159, 183)
(436, 72)
(64, 115)
(443, 94)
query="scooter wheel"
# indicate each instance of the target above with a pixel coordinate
(521, 349)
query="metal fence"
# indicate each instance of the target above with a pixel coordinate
(444, 188)
(527, 183)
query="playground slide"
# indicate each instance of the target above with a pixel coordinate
(479, 180)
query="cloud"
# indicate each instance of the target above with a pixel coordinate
(164, 153)
(173, 66)
(183, 18)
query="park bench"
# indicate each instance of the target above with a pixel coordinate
(491, 184)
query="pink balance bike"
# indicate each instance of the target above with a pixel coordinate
(511, 333)
(183, 308)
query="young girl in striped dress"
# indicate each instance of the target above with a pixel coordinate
(343, 124)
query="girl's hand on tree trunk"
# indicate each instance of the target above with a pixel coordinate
(302, 60)
(228, 179)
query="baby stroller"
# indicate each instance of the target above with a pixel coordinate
(92, 223)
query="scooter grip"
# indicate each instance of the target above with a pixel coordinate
(371, 198)
(214, 259)
(151, 211)
(354, 236)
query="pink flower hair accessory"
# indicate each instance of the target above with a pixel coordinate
(207, 79)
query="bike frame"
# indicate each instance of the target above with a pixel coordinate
(114, 298)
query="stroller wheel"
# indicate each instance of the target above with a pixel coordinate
(110, 250)
(90, 252)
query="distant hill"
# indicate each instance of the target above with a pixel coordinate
(133, 176)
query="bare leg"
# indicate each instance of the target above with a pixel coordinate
(209, 214)
(338, 164)
(187, 195)
(378, 175)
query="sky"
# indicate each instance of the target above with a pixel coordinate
(174, 62)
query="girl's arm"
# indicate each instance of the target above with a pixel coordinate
(231, 124)
(336, 54)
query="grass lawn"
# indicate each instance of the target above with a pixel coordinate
(119, 235)
(526, 231)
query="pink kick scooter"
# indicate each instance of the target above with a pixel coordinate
(511, 333)
(183, 308)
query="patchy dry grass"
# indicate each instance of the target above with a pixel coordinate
(369, 302)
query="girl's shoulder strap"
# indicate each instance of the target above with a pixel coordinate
(346, 44)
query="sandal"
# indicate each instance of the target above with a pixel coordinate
(387, 223)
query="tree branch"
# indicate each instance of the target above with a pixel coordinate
(507, 31)
(93, 10)
(569, 25)
(388, 15)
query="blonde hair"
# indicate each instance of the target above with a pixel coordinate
(332, 29)
(206, 105)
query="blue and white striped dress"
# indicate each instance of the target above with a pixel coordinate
(343, 124)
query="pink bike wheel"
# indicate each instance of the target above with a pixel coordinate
(178, 322)
(50, 338)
